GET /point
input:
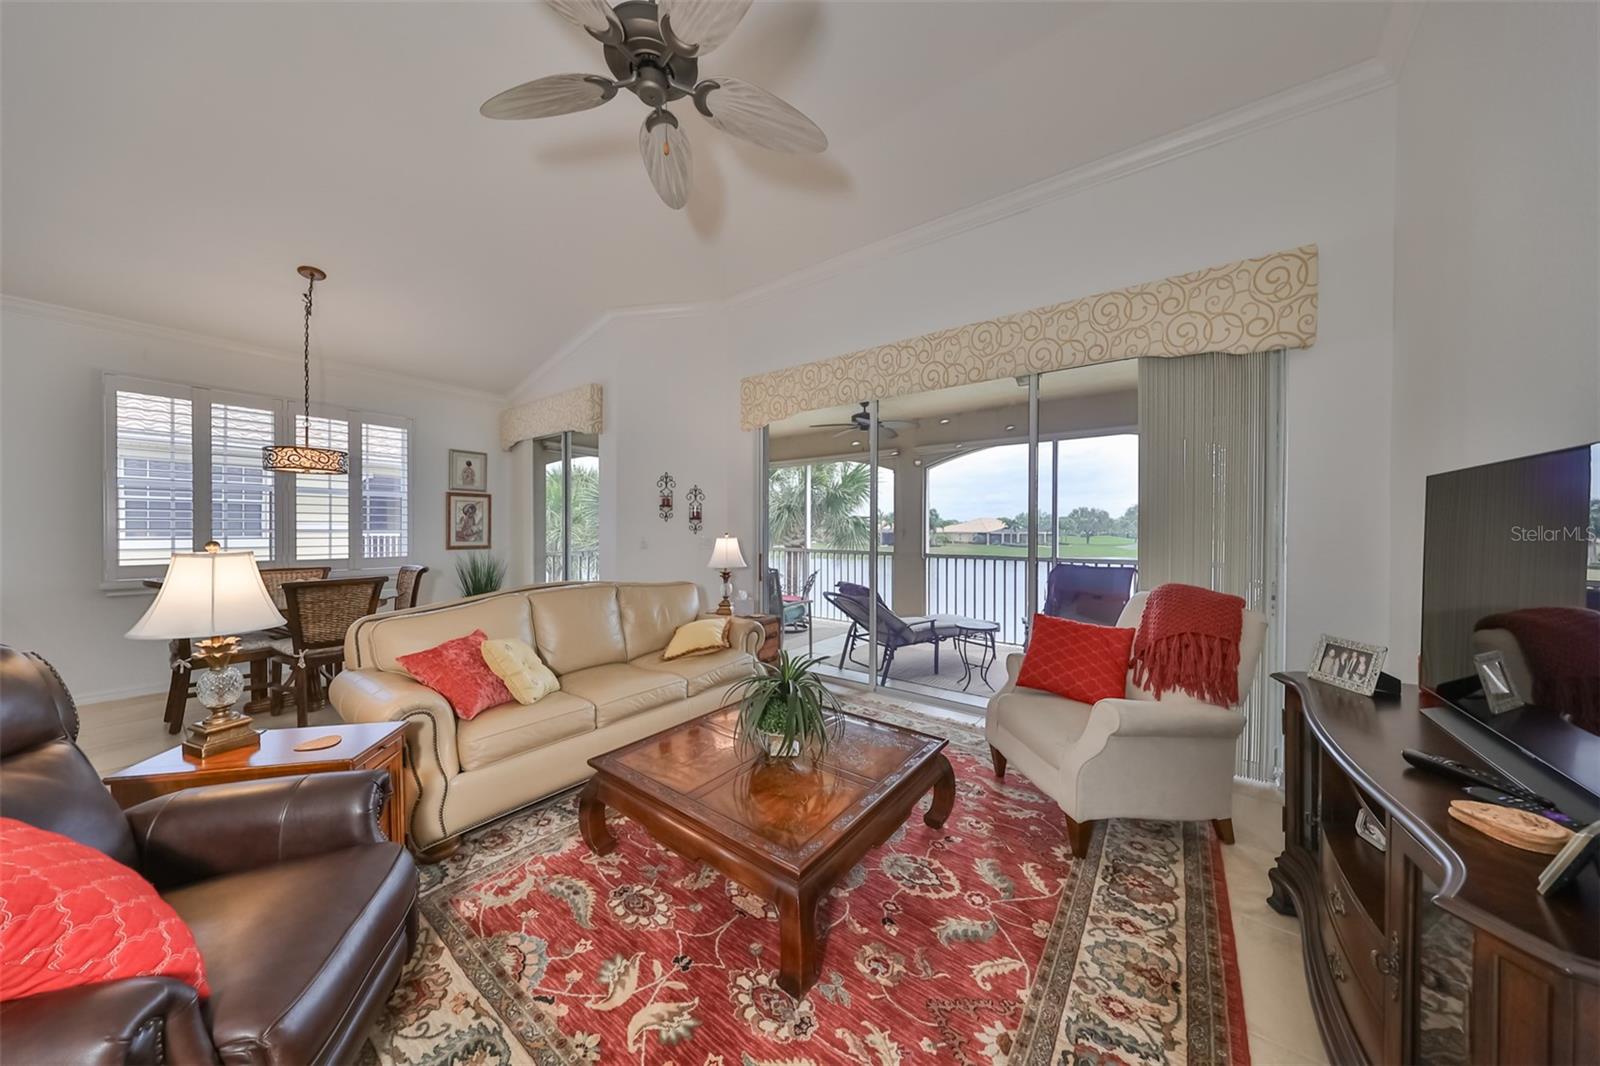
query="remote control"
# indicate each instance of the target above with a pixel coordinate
(1469, 775)
(1518, 803)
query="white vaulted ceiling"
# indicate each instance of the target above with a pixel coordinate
(173, 163)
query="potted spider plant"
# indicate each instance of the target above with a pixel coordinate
(784, 710)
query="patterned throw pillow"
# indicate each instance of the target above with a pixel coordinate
(1076, 660)
(699, 637)
(71, 915)
(520, 667)
(456, 671)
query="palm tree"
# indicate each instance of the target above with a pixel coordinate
(838, 492)
(585, 506)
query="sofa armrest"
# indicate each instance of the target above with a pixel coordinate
(381, 696)
(205, 832)
(747, 634)
(138, 1020)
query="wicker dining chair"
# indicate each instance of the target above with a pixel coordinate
(319, 612)
(275, 577)
(407, 583)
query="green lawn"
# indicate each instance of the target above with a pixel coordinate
(1100, 547)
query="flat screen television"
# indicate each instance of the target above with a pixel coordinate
(1511, 565)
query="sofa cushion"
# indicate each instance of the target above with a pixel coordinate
(618, 690)
(1046, 725)
(384, 638)
(652, 613)
(577, 627)
(456, 671)
(519, 666)
(699, 637)
(701, 672)
(277, 998)
(1076, 660)
(514, 728)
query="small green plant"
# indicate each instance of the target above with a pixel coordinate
(479, 572)
(784, 709)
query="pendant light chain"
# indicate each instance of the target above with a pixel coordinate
(311, 283)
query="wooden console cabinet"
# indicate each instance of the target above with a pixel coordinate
(1439, 950)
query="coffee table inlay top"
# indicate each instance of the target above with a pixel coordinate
(785, 829)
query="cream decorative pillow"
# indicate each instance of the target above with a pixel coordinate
(520, 667)
(698, 637)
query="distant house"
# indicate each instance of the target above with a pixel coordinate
(988, 531)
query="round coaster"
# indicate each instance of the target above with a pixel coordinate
(318, 743)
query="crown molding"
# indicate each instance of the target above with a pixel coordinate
(1360, 79)
(337, 367)
(1398, 32)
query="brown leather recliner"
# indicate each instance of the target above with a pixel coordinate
(304, 913)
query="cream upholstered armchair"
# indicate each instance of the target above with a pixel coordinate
(1138, 757)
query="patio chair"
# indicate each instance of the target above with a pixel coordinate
(797, 608)
(894, 632)
(1088, 593)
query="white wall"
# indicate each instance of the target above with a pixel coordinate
(51, 440)
(1497, 256)
(1327, 177)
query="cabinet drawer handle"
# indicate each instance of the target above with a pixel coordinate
(1336, 900)
(1336, 966)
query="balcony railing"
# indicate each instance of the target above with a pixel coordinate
(585, 566)
(992, 587)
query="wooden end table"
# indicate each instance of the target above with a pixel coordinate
(786, 830)
(362, 746)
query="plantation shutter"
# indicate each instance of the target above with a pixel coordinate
(154, 477)
(322, 501)
(385, 457)
(242, 493)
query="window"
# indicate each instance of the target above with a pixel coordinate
(183, 466)
(384, 465)
(154, 508)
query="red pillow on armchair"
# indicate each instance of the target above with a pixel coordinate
(71, 915)
(456, 671)
(1076, 660)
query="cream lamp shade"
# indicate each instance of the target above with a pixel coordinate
(726, 555)
(208, 594)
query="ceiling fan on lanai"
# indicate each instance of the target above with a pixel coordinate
(861, 420)
(653, 49)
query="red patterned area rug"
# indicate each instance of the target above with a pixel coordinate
(980, 943)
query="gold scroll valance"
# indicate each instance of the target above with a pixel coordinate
(578, 410)
(1250, 305)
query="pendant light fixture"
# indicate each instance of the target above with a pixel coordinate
(302, 458)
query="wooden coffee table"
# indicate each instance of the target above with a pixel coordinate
(785, 830)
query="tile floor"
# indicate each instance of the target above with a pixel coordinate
(1276, 1004)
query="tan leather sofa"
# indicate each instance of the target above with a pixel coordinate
(602, 639)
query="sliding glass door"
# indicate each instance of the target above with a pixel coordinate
(566, 502)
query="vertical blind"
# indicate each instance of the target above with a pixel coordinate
(322, 501)
(241, 491)
(1211, 504)
(154, 478)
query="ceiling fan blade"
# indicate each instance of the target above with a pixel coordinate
(751, 113)
(833, 425)
(595, 16)
(667, 158)
(885, 431)
(896, 423)
(695, 27)
(558, 94)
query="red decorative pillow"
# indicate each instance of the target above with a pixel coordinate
(456, 671)
(70, 916)
(1077, 660)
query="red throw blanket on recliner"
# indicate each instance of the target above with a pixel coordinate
(1562, 648)
(1188, 639)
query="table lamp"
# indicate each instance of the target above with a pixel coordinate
(212, 592)
(726, 558)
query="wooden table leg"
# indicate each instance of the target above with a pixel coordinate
(800, 955)
(944, 795)
(592, 820)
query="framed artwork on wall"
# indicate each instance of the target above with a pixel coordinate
(467, 520)
(469, 471)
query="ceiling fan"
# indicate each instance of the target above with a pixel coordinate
(862, 419)
(653, 48)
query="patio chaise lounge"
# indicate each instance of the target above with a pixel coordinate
(894, 632)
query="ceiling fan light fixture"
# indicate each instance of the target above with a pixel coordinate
(668, 160)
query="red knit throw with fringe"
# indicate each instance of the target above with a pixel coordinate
(1188, 639)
